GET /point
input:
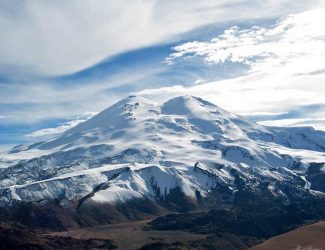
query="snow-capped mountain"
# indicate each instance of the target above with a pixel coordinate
(139, 149)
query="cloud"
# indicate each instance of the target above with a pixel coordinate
(313, 110)
(286, 69)
(308, 115)
(45, 38)
(49, 132)
(255, 92)
(38, 100)
(295, 44)
(66, 36)
(316, 123)
(275, 100)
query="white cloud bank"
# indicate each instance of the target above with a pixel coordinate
(287, 67)
(296, 43)
(49, 132)
(65, 36)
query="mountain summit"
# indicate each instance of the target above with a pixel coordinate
(137, 149)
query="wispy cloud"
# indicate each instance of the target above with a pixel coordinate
(308, 115)
(49, 132)
(61, 37)
(316, 123)
(42, 100)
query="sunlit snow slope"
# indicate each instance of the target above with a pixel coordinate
(137, 148)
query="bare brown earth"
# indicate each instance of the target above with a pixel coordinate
(131, 235)
(19, 237)
(310, 237)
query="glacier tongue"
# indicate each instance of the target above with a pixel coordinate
(139, 149)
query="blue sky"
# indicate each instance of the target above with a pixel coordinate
(63, 61)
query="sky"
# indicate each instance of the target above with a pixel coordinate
(61, 62)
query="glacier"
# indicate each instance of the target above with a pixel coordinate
(140, 149)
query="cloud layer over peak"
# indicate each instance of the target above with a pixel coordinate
(286, 69)
(62, 59)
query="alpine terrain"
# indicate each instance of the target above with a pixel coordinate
(138, 160)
